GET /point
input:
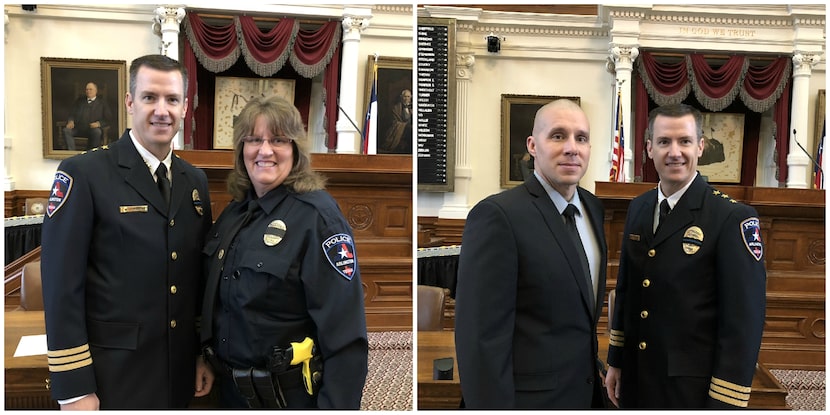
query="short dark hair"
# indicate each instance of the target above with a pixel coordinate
(158, 62)
(674, 111)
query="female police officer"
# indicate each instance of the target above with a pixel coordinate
(282, 269)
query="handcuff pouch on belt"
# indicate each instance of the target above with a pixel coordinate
(261, 387)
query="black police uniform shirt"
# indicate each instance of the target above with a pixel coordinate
(291, 272)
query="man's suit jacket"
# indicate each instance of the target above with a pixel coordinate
(99, 110)
(690, 302)
(525, 333)
(122, 279)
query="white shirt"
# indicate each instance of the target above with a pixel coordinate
(673, 199)
(151, 160)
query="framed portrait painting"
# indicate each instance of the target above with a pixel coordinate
(232, 93)
(394, 92)
(517, 115)
(83, 104)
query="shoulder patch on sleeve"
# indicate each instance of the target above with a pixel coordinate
(339, 250)
(59, 193)
(751, 232)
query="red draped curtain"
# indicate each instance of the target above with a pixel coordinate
(217, 49)
(758, 87)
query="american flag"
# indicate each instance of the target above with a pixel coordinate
(618, 149)
(819, 181)
(370, 126)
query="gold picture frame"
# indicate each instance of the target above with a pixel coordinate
(517, 115)
(231, 95)
(394, 78)
(63, 82)
(723, 135)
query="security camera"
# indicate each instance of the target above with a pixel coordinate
(493, 43)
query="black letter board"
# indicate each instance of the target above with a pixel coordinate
(436, 104)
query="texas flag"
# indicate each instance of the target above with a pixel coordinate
(819, 180)
(370, 126)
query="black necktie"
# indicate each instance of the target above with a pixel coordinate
(664, 211)
(163, 183)
(570, 223)
(215, 270)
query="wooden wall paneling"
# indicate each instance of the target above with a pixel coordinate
(450, 230)
(15, 201)
(442, 232)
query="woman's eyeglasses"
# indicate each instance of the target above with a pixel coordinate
(275, 142)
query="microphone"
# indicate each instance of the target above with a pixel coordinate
(818, 167)
(352, 122)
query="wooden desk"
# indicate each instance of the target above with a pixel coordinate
(767, 392)
(27, 377)
(437, 394)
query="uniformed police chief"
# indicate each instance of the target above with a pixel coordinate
(121, 263)
(690, 295)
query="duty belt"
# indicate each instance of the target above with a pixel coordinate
(261, 388)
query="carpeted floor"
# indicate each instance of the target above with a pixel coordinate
(806, 389)
(389, 382)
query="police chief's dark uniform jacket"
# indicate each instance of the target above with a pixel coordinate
(690, 302)
(525, 329)
(122, 279)
(291, 272)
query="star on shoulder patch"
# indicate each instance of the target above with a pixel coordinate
(751, 232)
(60, 192)
(339, 250)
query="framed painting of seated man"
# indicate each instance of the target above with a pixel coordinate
(83, 104)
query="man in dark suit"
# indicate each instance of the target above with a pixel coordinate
(691, 290)
(527, 302)
(122, 267)
(89, 116)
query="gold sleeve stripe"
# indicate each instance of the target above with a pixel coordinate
(69, 359)
(67, 352)
(728, 392)
(728, 400)
(730, 385)
(72, 366)
(617, 338)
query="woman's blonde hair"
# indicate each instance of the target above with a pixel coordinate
(283, 119)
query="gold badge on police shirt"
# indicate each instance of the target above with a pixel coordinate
(692, 240)
(274, 233)
(197, 202)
